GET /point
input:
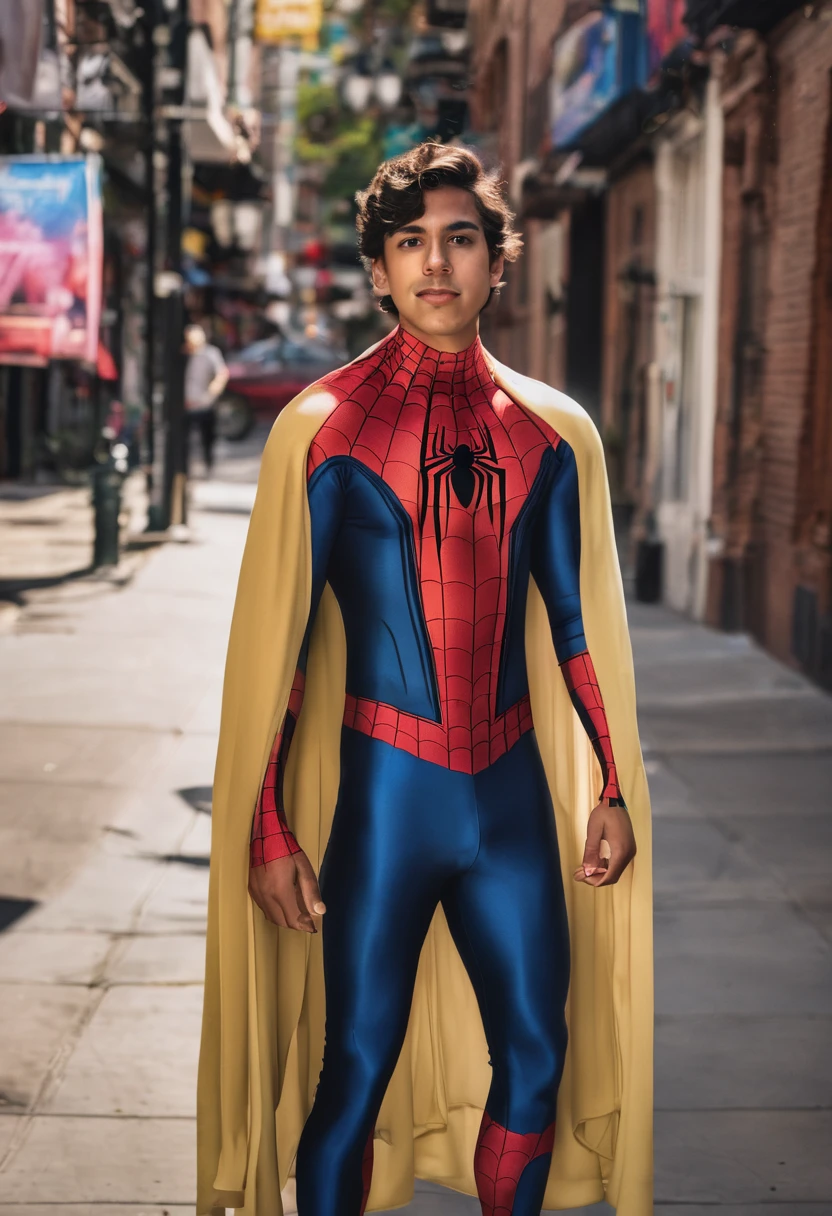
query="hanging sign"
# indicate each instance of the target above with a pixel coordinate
(279, 20)
(51, 249)
(598, 60)
(30, 79)
(666, 30)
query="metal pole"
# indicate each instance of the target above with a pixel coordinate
(232, 52)
(174, 337)
(173, 505)
(149, 102)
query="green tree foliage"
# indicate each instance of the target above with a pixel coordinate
(347, 145)
(397, 10)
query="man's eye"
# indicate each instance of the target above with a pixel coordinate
(406, 242)
(466, 240)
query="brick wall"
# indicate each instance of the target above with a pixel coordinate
(801, 55)
(511, 59)
(630, 253)
(735, 595)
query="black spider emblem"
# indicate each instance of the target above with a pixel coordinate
(467, 471)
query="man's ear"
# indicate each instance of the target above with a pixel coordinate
(498, 265)
(379, 275)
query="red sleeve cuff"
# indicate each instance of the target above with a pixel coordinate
(275, 841)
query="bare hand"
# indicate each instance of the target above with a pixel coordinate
(612, 824)
(287, 892)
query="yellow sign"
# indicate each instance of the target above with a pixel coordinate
(278, 20)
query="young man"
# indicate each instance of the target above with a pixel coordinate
(432, 537)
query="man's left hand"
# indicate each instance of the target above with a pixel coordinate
(612, 824)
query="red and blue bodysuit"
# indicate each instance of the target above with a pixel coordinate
(433, 498)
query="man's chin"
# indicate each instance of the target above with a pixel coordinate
(439, 319)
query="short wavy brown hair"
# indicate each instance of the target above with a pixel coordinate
(396, 196)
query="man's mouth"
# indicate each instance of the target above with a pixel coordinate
(437, 295)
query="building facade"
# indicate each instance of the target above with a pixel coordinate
(771, 571)
(676, 214)
(117, 81)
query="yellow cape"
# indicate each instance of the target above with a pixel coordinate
(263, 1021)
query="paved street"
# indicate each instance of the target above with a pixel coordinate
(108, 718)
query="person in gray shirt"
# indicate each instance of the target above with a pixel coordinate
(205, 377)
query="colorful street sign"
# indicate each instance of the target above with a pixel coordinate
(666, 30)
(279, 20)
(597, 60)
(51, 250)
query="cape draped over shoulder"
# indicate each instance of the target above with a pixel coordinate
(263, 1018)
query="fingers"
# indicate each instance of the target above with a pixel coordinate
(304, 920)
(610, 825)
(269, 906)
(607, 873)
(607, 877)
(598, 876)
(618, 832)
(275, 889)
(308, 885)
(592, 862)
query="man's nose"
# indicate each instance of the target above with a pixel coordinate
(436, 257)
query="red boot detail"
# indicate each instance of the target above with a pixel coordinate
(367, 1171)
(499, 1162)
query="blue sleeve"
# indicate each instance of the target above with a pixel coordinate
(556, 555)
(326, 491)
(271, 836)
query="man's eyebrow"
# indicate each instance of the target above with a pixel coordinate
(456, 226)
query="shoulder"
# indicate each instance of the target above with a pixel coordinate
(338, 386)
(296, 426)
(358, 391)
(563, 414)
(322, 411)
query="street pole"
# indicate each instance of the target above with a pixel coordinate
(232, 52)
(175, 495)
(149, 104)
(279, 106)
(169, 499)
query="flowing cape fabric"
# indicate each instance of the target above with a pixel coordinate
(263, 1020)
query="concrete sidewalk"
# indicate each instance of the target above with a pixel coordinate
(48, 538)
(109, 716)
(108, 720)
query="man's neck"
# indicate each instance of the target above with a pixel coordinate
(447, 343)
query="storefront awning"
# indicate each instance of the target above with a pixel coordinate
(210, 139)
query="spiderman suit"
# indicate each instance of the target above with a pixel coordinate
(433, 498)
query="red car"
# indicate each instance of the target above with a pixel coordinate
(265, 376)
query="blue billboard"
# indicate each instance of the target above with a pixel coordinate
(598, 60)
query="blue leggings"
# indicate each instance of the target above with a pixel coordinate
(406, 835)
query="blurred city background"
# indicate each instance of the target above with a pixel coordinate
(177, 260)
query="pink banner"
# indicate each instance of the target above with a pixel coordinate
(51, 250)
(666, 29)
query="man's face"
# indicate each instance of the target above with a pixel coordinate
(438, 269)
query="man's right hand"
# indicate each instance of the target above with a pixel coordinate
(287, 892)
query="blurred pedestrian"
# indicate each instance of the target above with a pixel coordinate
(205, 378)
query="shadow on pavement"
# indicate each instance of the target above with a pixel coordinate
(199, 797)
(13, 588)
(200, 860)
(11, 910)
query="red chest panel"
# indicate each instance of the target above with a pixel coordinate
(461, 457)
